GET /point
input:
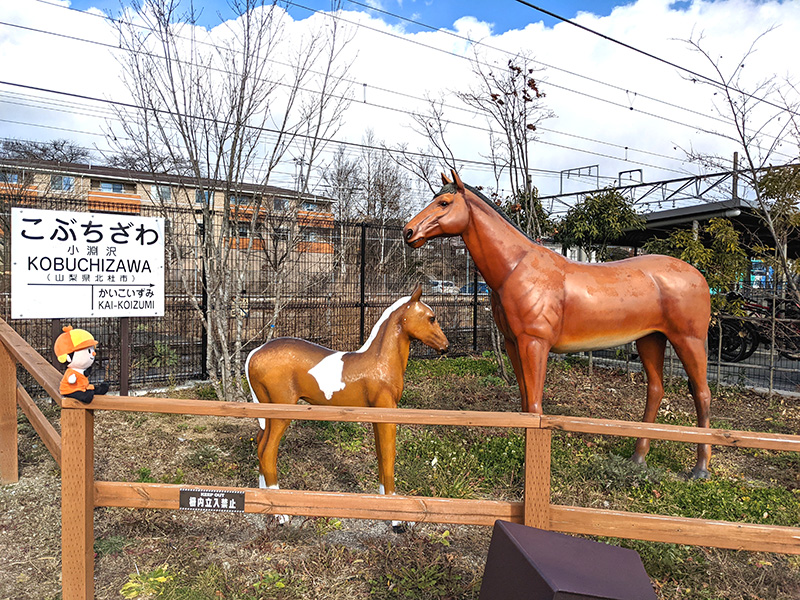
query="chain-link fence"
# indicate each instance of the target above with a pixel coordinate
(330, 283)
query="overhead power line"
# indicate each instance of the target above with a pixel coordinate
(462, 57)
(535, 61)
(469, 125)
(694, 74)
(447, 121)
(251, 127)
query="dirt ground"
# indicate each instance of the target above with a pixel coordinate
(251, 557)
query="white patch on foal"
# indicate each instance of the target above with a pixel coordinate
(328, 371)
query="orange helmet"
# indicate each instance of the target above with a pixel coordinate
(72, 340)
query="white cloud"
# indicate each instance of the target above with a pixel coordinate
(591, 83)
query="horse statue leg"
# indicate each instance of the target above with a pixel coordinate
(533, 354)
(268, 440)
(692, 353)
(651, 350)
(386, 449)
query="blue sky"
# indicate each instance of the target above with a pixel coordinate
(505, 15)
(614, 109)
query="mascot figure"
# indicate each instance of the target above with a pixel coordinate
(77, 348)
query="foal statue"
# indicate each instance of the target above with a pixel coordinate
(286, 370)
(543, 302)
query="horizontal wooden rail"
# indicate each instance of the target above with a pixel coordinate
(675, 530)
(320, 504)
(676, 433)
(303, 412)
(41, 370)
(306, 412)
(50, 437)
(568, 519)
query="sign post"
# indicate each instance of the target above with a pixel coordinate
(73, 264)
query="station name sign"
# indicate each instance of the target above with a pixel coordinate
(74, 264)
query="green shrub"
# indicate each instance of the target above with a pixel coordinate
(111, 545)
(435, 465)
(416, 568)
(500, 458)
(204, 457)
(205, 391)
(143, 475)
(148, 584)
(462, 366)
(719, 499)
(615, 472)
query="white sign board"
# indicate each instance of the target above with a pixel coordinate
(74, 264)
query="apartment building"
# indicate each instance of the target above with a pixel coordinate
(98, 188)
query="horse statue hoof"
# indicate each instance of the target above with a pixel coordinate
(639, 460)
(401, 526)
(700, 473)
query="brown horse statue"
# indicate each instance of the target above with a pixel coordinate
(544, 302)
(286, 370)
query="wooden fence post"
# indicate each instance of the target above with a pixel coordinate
(9, 468)
(537, 478)
(77, 504)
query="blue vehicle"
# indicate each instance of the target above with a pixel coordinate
(468, 289)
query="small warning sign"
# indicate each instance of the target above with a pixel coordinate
(213, 500)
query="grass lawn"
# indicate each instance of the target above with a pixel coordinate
(198, 556)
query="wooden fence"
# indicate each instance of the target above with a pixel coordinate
(81, 494)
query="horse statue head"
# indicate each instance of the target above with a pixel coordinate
(419, 322)
(447, 215)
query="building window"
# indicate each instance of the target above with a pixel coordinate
(202, 196)
(62, 183)
(280, 204)
(160, 192)
(112, 186)
(311, 206)
(246, 200)
(9, 177)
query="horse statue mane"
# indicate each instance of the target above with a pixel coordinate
(451, 188)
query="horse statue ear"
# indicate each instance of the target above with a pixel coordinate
(417, 293)
(445, 180)
(457, 180)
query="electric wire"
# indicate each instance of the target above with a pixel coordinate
(533, 60)
(361, 25)
(468, 125)
(251, 127)
(694, 74)
(447, 121)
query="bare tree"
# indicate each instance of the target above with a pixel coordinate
(225, 113)
(426, 163)
(61, 150)
(763, 119)
(140, 159)
(342, 178)
(512, 103)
